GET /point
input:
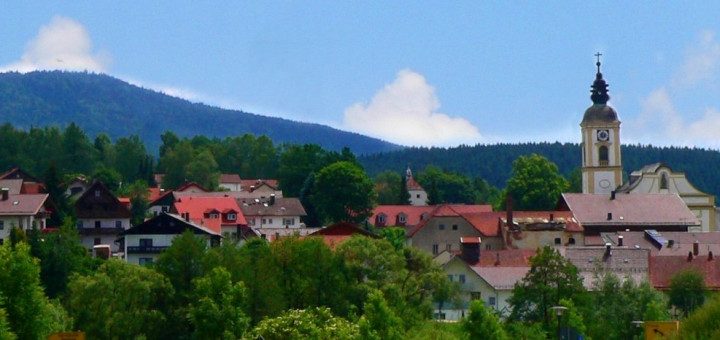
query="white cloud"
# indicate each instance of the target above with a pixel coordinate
(63, 44)
(405, 112)
(701, 60)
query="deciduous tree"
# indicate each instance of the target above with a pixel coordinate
(536, 184)
(344, 193)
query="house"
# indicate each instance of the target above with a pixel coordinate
(337, 233)
(101, 216)
(76, 186)
(29, 184)
(446, 224)
(219, 214)
(275, 217)
(230, 182)
(535, 229)
(25, 211)
(144, 242)
(663, 267)
(192, 188)
(599, 213)
(488, 276)
(418, 195)
(625, 262)
(660, 178)
(404, 216)
(266, 186)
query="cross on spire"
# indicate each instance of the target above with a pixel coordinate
(598, 55)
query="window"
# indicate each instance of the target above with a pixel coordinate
(462, 278)
(603, 153)
(97, 193)
(270, 220)
(213, 215)
(251, 221)
(571, 240)
(417, 196)
(264, 221)
(435, 249)
(491, 301)
(448, 247)
(2, 225)
(288, 221)
(557, 241)
(402, 218)
(455, 226)
(146, 242)
(79, 224)
(450, 277)
(164, 208)
(381, 218)
(118, 224)
(97, 224)
(476, 295)
(664, 181)
(441, 227)
(97, 241)
(145, 261)
(232, 217)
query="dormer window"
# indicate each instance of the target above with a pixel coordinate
(402, 218)
(381, 218)
(232, 217)
(213, 215)
(664, 180)
(97, 193)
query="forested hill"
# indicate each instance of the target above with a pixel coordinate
(494, 162)
(100, 103)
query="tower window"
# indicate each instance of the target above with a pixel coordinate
(664, 181)
(603, 153)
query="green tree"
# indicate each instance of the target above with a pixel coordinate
(379, 321)
(687, 290)
(138, 193)
(482, 323)
(130, 153)
(174, 162)
(702, 323)
(575, 180)
(299, 324)
(261, 277)
(344, 193)
(535, 184)
(203, 169)
(108, 176)
(450, 187)
(403, 193)
(77, 153)
(394, 235)
(121, 301)
(313, 217)
(5, 331)
(386, 186)
(217, 311)
(61, 254)
(55, 189)
(29, 312)
(550, 279)
(169, 140)
(296, 163)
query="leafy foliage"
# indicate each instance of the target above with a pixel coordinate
(344, 193)
(313, 323)
(535, 184)
(482, 323)
(687, 290)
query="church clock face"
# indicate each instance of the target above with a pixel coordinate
(603, 135)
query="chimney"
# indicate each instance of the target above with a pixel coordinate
(509, 210)
(696, 248)
(5, 194)
(470, 249)
(710, 256)
(612, 195)
(671, 243)
(609, 216)
(608, 251)
(620, 241)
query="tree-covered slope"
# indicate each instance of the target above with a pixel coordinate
(494, 162)
(100, 103)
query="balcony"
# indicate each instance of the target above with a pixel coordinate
(145, 250)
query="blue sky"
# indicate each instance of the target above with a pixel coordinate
(414, 73)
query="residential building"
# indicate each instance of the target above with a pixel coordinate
(275, 217)
(144, 243)
(625, 262)
(218, 214)
(101, 217)
(637, 212)
(230, 182)
(25, 211)
(536, 229)
(446, 224)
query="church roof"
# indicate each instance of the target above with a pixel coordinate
(599, 112)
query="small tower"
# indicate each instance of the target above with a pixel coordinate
(600, 128)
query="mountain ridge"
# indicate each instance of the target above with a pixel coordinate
(99, 103)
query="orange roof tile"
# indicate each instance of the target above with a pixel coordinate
(197, 206)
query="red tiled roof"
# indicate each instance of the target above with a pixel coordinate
(190, 185)
(196, 206)
(246, 184)
(156, 193)
(20, 205)
(501, 277)
(663, 267)
(504, 258)
(413, 214)
(458, 210)
(629, 209)
(412, 184)
(33, 188)
(13, 185)
(230, 178)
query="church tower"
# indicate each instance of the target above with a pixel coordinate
(600, 127)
